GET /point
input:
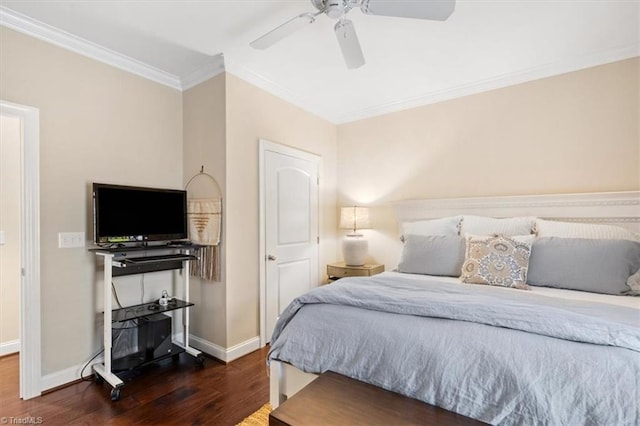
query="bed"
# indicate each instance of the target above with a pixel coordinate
(496, 353)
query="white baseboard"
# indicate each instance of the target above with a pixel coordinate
(71, 374)
(228, 354)
(9, 347)
(242, 349)
(67, 375)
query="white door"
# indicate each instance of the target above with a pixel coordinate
(290, 197)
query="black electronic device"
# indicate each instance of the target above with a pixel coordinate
(127, 214)
(154, 336)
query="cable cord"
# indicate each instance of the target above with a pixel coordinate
(115, 294)
(86, 379)
(142, 286)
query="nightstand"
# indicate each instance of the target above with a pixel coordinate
(340, 270)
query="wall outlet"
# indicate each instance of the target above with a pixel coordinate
(71, 239)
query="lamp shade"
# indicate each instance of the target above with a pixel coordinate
(354, 218)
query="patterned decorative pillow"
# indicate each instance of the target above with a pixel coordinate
(500, 261)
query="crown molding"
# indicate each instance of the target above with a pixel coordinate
(505, 80)
(264, 83)
(42, 31)
(22, 23)
(204, 73)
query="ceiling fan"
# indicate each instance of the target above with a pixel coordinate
(437, 10)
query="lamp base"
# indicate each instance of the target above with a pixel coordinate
(354, 250)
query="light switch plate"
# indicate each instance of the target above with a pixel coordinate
(2, 238)
(71, 239)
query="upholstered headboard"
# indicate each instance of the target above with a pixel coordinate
(616, 208)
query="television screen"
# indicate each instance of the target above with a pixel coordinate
(124, 214)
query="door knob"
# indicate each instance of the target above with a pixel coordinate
(271, 257)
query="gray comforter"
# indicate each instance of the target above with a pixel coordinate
(499, 355)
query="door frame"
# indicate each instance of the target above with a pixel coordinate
(30, 333)
(265, 146)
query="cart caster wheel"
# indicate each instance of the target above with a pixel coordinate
(199, 360)
(98, 378)
(115, 394)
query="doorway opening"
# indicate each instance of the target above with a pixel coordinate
(27, 119)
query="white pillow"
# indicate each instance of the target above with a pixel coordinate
(480, 225)
(549, 228)
(443, 226)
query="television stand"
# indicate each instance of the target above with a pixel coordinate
(120, 261)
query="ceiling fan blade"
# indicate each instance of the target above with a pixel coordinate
(278, 33)
(348, 41)
(437, 10)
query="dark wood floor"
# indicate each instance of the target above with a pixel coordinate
(165, 393)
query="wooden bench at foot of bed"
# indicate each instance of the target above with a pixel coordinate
(332, 399)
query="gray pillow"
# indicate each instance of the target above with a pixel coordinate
(441, 255)
(598, 266)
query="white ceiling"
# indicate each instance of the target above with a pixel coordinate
(483, 45)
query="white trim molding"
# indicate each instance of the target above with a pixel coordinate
(497, 82)
(225, 354)
(68, 375)
(203, 74)
(71, 374)
(620, 208)
(268, 85)
(30, 327)
(24, 24)
(485, 85)
(10, 347)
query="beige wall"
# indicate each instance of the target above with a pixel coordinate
(576, 132)
(10, 176)
(101, 124)
(97, 123)
(253, 114)
(204, 144)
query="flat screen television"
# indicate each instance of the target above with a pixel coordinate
(127, 214)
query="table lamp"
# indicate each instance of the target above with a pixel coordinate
(354, 245)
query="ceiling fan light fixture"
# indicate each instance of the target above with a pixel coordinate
(319, 4)
(335, 9)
